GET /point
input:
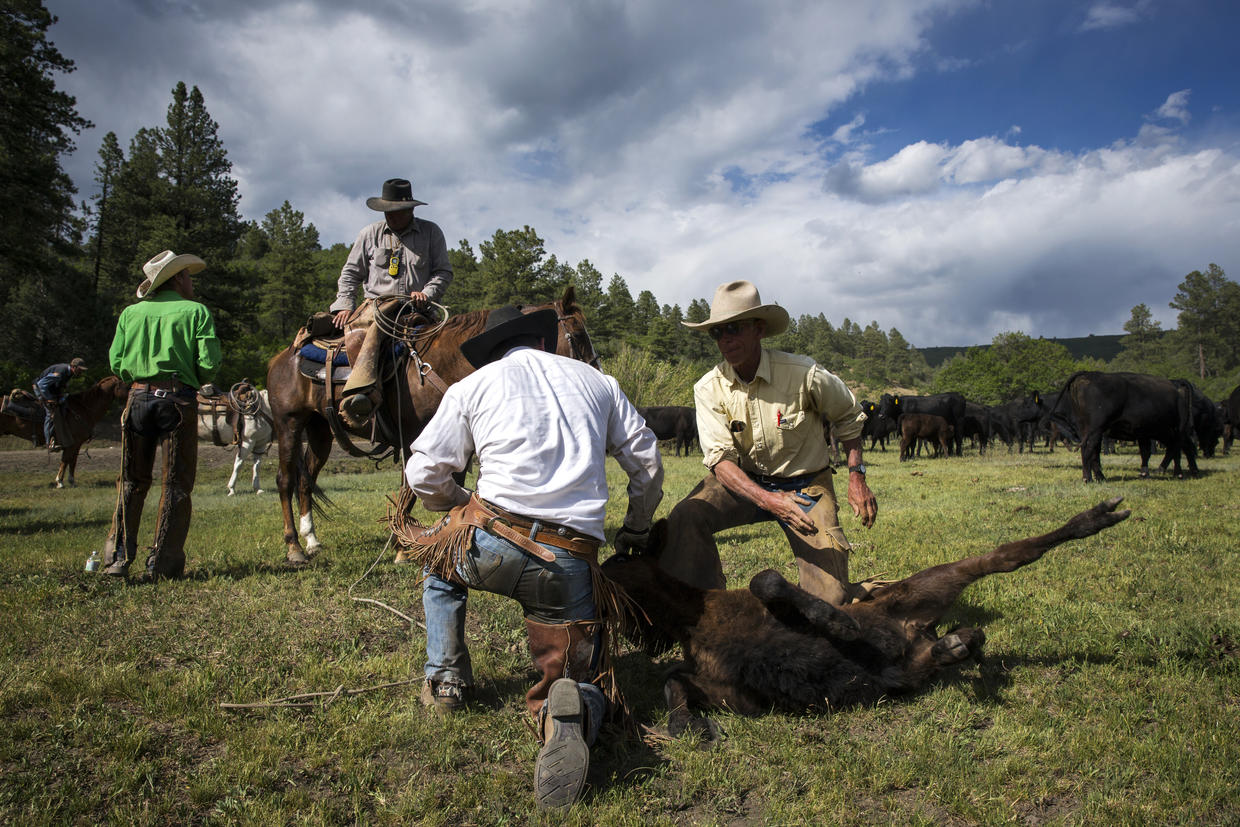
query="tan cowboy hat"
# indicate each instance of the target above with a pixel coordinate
(166, 265)
(504, 323)
(740, 300)
(397, 195)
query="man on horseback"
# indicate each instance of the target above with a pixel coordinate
(51, 388)
(398, 259)
(166, 346)
(542, 426)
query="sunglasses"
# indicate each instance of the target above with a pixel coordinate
(718, 331)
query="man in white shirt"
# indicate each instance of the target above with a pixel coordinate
(542, 427)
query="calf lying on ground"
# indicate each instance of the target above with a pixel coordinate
(774, 646)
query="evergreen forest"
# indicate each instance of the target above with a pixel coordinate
(69, 265)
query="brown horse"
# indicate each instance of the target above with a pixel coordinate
(81, 412)
(411, 397)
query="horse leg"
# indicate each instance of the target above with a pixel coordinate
(238, 459)
(288, 442)
(257, 457)
(68, 466)
(318, 447)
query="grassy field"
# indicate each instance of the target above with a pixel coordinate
(1109, 693)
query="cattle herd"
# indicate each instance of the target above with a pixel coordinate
(1091, 412)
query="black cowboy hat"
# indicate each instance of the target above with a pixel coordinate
(506, 323)
(397, 195)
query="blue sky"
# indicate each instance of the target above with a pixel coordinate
(1068, 79)
(952, 168)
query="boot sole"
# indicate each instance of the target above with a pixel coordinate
(560, 773)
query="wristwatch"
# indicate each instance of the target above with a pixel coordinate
(858, 469)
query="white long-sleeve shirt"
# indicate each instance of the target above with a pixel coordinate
(542, 426)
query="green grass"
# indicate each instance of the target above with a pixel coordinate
(1109, 694)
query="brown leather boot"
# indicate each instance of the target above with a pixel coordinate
(558, 650)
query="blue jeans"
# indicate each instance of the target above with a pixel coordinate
(550, 592)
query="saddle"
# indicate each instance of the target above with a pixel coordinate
(22, 405)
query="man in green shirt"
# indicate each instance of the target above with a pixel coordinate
(165, 345)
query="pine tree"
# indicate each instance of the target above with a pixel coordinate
(289, 273)
(37, 225)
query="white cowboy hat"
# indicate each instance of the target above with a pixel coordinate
(740, 300)
(166, 265)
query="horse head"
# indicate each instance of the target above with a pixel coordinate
(574, 340)
(114, 386)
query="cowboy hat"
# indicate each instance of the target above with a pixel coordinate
(166, 265)
(397, 195)
(740, 300)
(77, 362)
(506, 323)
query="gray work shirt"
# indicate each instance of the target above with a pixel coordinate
(421, 264)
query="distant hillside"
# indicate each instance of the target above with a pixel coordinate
(1097, 347)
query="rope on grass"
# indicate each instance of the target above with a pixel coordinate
(309, 700)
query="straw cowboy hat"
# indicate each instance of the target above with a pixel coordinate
(166, 265)
(506, 323)
(740, 300)
(397, 195)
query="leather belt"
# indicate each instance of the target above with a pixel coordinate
(527, 533)
(159, 387)
(799, 481)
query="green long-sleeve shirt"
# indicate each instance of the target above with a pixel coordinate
(165, 336)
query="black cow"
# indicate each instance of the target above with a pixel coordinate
(676, 422)
(775, 646)
(1056, 421)
(979, 425)
(1206, 425)
(949, 405)
(1018, 418)
(877, 426)
(1129, 406)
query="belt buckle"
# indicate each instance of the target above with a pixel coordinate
(534, 528)
(159, 393)
(495, 519)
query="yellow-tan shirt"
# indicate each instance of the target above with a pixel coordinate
(780, 415)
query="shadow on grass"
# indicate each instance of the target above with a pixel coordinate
(50, 526)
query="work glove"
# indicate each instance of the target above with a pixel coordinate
(629, 541)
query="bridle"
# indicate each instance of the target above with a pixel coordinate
(579, 343)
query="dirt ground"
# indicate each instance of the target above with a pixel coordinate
(99, 454)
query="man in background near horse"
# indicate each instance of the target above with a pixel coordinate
(398, 259)
(165, 345)
(51, 388)
(542, 426)
(759, 417)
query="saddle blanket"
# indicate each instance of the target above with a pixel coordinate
(313, 353)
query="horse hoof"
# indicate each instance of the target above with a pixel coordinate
(259, 491)
(231, 492)
(296, 558)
